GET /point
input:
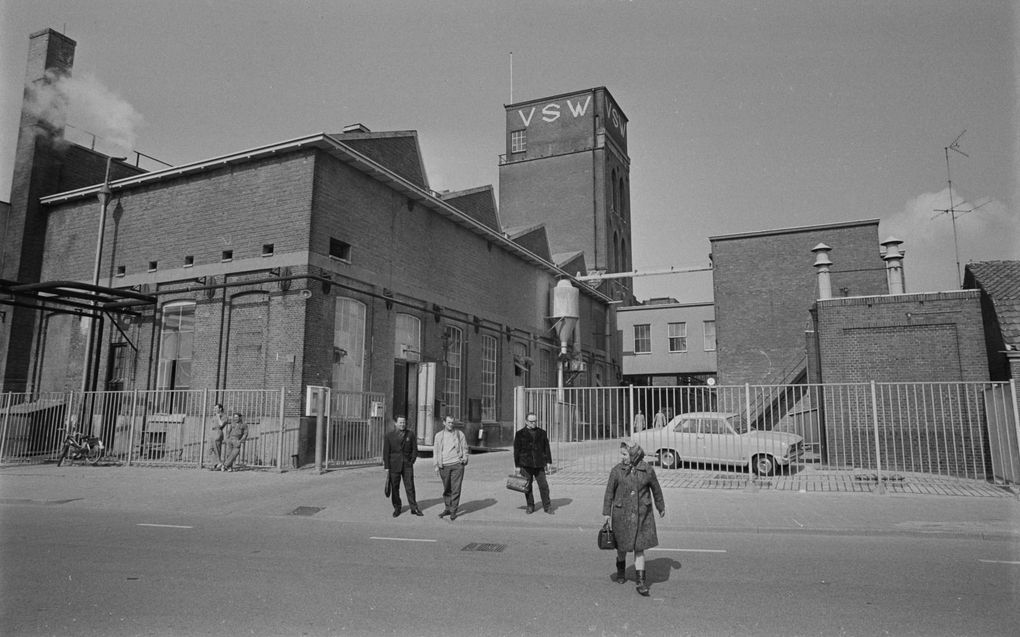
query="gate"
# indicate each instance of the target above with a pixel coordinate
(354, 434)
(951, 430)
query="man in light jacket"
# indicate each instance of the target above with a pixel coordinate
(450, 452)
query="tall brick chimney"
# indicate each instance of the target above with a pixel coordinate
(36, 174)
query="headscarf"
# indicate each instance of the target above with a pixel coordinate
(634, 451)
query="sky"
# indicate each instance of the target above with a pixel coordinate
(744, 116)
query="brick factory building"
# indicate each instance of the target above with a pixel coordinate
(324, 260)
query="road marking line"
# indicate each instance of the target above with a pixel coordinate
(690, 550)
(168, 526)
(402, 539)
(998, 562)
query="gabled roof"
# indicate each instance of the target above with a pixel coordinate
(397, 150)
(479, 203)
(534, 238)
(345, 153)
(571, 261)
(1000, 281)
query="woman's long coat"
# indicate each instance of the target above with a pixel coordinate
(628, 500)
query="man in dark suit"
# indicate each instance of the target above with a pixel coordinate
(400, 450)
(531, 455)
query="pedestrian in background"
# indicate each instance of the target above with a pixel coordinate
(234, 436)
(215, 451)
(627, 507)
(450, 452)
(531, 455)
(400, 450)
(639, 421)
(660, 419)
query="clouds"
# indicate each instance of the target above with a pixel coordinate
(988, 233)
(86, 104)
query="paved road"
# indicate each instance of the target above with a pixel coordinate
(72, 569)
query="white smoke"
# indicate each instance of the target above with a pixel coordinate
(84, 103)
(990, 232)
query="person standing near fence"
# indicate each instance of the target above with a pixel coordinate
(215, 449)
(450, 452)
(235, 435)
(400, 450)
(639, 421)
(531, 455)
(659, 420)
(627, 507)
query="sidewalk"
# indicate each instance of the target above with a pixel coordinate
(355, 495)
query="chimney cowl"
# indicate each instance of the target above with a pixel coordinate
(356, 128)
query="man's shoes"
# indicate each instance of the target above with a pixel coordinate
(453, 516)
(417, 511)
(548, 509)
(530, 509)
(444, 513)
(396, 511)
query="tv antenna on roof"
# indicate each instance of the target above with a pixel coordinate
(952, 211)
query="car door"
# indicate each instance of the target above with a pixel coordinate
(685, 439)
(719, 442)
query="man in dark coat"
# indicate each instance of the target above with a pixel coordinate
(531, 455)
(400, 450)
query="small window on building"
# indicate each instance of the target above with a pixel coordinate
(228, 255)
(709, 336)
(518, 141)
(643, 339)
(153, 265)
(121, 270)
(189, 261)
(677, 337)
(267, 249)
(339, 250)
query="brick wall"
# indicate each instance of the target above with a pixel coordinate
(764, 286)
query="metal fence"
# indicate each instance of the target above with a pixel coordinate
(958, 430)
(147, 427)
(356, 424)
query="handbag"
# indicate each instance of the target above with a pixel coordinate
(607, 539)
(517, 482)
(386, 489)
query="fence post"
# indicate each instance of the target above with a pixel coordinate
(880, 488)
(631, 409)
(320, 430)
(205, 435)
(279, 445)
(753, 484)
(1016, 419)
(7, 419)
(131, 429)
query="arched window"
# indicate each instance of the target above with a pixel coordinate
(348, 345)
(454, 344)
(176, 346)
(616, 193)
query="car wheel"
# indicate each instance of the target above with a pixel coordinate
(668, 459)
(764, 465)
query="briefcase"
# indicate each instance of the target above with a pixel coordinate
(517, 482)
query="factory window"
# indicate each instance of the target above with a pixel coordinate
(408, 337)
(677, 334)
(176, 346)
(518, 141)
(488, 378)
(348, 347)
(709, 336)
(189, 261)
(121, 270)
(267, 249)
(643, 339)
(153, 265)
(339, 250)
(453, 344)
(227, 255)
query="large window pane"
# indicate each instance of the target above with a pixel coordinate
(489, 378)
(454, 340)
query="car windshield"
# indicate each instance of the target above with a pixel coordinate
(739, 423)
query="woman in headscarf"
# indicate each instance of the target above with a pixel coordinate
(627, 506)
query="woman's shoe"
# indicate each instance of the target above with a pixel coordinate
(642, 588)
(621, 572)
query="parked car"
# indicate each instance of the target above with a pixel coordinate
(720, 438)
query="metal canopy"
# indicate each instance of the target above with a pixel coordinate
(72, 297)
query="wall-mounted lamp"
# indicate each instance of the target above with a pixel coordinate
(437, 312)
(326, 285)
(477, 322)
(388, 293)
(508, 332)
(339, 354)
